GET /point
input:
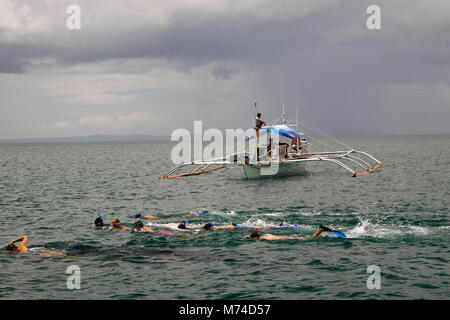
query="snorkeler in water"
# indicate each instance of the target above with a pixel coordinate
(202, 212)
(268, 236)
(207, 226)
(321, 231)
(182, 226)
(138, 226)
(327, 232)
(100, 224)
(115, 225)
(140, 216)
(22, 247)
(211, 226)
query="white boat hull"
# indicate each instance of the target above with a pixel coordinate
(253, 171)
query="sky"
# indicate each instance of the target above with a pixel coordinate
(150, 67)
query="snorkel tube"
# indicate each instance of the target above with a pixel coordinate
(99, 221)
(208, 226)
(255, 234)
(182, 225)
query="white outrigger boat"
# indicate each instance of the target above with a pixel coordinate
(287, 157)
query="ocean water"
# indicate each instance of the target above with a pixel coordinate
(396, 218)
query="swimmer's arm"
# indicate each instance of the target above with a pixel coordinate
(224, 227)
(150, 217)
(274, 237)
(118, 228)
(22, 247)
(24, 240)
(317, 233)
(147, 229)
(268, 237)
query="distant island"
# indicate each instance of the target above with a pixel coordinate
(92, 138)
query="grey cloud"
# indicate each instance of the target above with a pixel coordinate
(327, 62)
(222, 72)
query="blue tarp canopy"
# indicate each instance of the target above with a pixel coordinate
(282, 130)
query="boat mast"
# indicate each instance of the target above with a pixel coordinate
(296, 117)
(283, 116)
(256, 112)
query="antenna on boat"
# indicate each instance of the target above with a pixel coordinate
(283, 116)
(254, 121)
(296, 117)
(256, 111)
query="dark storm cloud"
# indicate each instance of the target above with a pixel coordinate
(307, 45)
(15, 57)
(190, 41)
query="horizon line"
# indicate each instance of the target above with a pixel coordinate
(140, 137)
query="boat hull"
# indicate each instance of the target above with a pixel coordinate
(253, 171)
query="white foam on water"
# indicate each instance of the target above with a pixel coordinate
(419, 230)
(278, 214)
(174, 226)
(274, 214)
(254, 222)
(365, 228)
(200, 212)
(309, 213)
(231, 213)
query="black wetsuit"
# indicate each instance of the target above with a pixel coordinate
(258, 123)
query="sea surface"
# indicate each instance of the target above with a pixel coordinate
(396, 218)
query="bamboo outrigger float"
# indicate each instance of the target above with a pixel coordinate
(288, 157)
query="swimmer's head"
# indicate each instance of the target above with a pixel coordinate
(115, 223)
(138, 224)
(234, 224)
(11, 247)
(182, 225)
(325, 228)
(99, 222)
(255, 234)
(208, 226)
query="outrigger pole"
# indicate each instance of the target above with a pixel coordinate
(202, 168)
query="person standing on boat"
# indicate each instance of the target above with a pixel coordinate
(258, 124)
